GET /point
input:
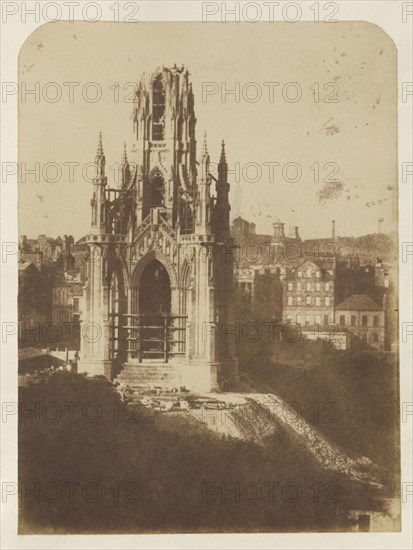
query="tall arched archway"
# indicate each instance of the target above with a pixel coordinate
(154, 309)
(154, 290)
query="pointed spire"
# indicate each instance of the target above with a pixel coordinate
(223, 166)
(125, 169)
(222, 198)
(100, 145)
(223, 158)
(204, 146)
(124, 156)
(100, 160)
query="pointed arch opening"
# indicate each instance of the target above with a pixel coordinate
(155, 290)
(157, 183)
(158, 109)
(156, 328)
(154, 306)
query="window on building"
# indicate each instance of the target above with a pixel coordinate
(298, 286)
(353, 320)
(299, 320)
(375, 337)
(317, 300)
(317, 286)
(299, 273)
(308, 286)
(308, 319)
(308, 300)
(317, 319)
(326, 320)
(376, 321)
(327, 300)
(290, 300)
(290, 286)
(342, 319)
(317, 274)
(298, 300)
(327, 287)
(308, 273)
(364, 320)
(386, 283)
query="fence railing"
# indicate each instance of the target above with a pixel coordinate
(149, 336)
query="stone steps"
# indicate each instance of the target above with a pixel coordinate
(145, 375)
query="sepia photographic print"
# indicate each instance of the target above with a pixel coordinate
(208, 276)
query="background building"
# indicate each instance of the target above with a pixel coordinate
(50, 288)
(363, 318)
(304, 281)
(309, 295)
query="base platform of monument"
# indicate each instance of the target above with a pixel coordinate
(195, 376)
(151, 374)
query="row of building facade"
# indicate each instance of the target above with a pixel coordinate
(316, 285)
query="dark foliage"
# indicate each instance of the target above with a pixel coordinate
(150, 470)
(352, 397)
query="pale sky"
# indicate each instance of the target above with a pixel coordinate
(358, 133)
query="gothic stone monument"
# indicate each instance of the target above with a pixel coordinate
(157, 305)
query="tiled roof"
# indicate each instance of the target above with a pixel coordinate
(358, 302)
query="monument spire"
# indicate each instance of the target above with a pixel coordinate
(100, 159)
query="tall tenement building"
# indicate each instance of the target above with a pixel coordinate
(158, 294)
(309, 295)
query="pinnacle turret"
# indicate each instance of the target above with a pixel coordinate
(125, 169)
(98, 202)
(222, 201)
(100, 159)
(204, 146)
(124, 154)
(100, 152)
(204, 164)
(222, 166)
(223, 158)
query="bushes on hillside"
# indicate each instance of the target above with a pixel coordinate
(88, 464)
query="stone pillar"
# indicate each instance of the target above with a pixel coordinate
(95, 329)
(202, 373)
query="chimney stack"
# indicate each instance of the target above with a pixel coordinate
(278, 230)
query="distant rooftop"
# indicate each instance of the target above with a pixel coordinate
(358, 302)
